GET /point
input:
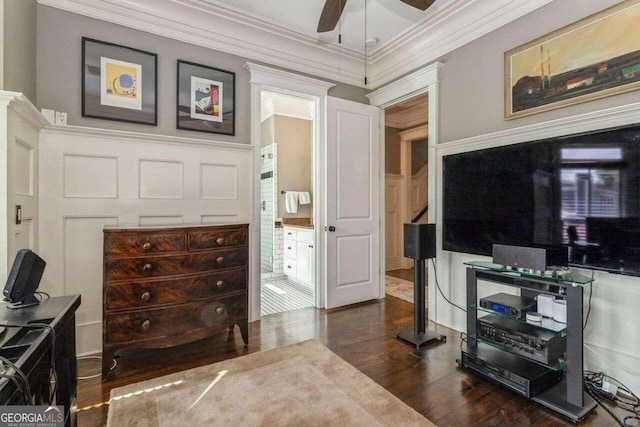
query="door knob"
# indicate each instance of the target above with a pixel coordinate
(332, 228)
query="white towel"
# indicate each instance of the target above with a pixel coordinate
(291, 201)
(304, 198)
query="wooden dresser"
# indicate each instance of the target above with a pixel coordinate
(166, 286)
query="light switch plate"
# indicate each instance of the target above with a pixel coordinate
(61, 118)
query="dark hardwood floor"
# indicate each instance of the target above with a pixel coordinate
(429, 381)
(404, 274)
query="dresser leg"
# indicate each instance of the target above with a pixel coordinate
(244, 330)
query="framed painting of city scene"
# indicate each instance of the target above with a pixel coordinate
(118, 83)
(206, 99)
(596, 57)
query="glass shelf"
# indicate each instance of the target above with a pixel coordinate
(568, 276)
(560, 365)
(546, 323)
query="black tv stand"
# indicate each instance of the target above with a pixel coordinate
(566, 397)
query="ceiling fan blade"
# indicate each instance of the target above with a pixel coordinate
(330, 15)
(420, 4)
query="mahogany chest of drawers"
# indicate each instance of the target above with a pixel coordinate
(173, 285)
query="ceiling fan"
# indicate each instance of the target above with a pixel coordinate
(333, 9)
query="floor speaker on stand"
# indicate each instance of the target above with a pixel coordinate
(419, 245)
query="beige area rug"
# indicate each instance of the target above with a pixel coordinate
(399, 288)
(301, 384)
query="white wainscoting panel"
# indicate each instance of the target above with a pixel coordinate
(138, 188)
(161, 179)
(83, 253)
(24, 237)
(219, 219)
(219, 182)
(90, 176)
(23, 168)
(161, 220)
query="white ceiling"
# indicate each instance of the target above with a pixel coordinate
(386, 19)
(282, 32)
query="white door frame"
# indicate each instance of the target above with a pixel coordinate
(424, 80)
(275, 80)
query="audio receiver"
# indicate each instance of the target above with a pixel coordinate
(527, 340)
(512, 305)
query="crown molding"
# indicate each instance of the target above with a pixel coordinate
(230, 30)
(446, 31)
(141, 137)
(223, 29)
(23, 107)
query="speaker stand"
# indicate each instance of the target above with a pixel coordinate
(418, 335)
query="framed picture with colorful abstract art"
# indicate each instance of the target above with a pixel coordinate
(206, 99)
(595, 57)
(119, 83)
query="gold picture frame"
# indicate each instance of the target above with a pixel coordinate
(595, 57)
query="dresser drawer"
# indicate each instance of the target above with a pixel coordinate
(174, 320)
(137, 243)
(154, 292)
(289, 248)
(290, 233)
(170, 265)
(207, 239)
(290, 267)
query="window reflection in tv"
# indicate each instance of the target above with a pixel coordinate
(580, 191)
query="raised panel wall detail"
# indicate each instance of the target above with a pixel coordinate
(219, 182)
(90, 177)
(161, 220)
(23, 169)
(219, 219)
(83, 264)
(161, 179)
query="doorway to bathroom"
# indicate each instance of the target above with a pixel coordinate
(287, 243)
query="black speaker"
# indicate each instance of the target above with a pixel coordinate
(420, 241)
(538, 259)
(24, 279)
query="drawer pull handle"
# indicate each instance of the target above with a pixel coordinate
(288, 266)
(289, 233)
(145, 296)
(220, 284)
(220, 259)
(219, 310)
(147, 267)
(146, 325)
(220, 241)
(289, 247)
(146, 246)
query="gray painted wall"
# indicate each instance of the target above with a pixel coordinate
(59, 50)
(472, 79)
(19, 47)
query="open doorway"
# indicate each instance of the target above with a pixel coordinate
(287, 243)
(406, 187)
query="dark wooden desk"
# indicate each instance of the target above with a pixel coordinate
(30, 350)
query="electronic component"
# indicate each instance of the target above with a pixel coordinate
(520, 375)
(511, 305)
(521, 338)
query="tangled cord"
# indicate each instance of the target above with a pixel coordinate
(593, 385)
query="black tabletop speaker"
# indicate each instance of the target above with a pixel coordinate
(420, 241)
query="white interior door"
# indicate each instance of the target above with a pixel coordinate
(352, 202)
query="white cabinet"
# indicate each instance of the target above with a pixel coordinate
(299, 254)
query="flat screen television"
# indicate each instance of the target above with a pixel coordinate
(581, 191)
